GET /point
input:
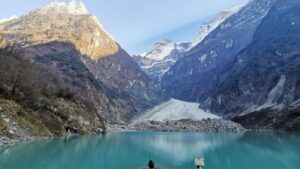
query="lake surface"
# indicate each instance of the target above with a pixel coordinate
(131, 150)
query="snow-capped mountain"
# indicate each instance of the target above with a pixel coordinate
(160, 51)
(59, 21)
(73, 7)
(164, 54)
(262, 89)
(66, 38)
(161, 57)
(173, 110)
(206, 29)
(194, 77)
(247, 68)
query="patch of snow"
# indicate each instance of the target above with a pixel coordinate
(237, 8)
(254, 108)
(226, 26)
(143, 54)
(213, 54)
(296, 103)
(183, 46)
(175, 110)
(203, 58)
(74, 7)
(163, 55)
(206, 29)
(172, 61)
(77, 7)
(9, 19)
(219, 100)
(265, 105)
(277, 90)
(160, 51)
(229, 44)
(274, 93)
(164, 71)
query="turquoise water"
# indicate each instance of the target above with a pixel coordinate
(131, 150)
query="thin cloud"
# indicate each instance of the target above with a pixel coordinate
(131, 22)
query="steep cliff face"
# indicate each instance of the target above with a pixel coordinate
(206, 29)
(67, 39)
(264, 78)
(194, 77)
(247, 68)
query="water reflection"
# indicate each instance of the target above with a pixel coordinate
(169, 150)
(258, 150)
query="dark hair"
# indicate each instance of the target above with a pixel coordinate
(151, 164)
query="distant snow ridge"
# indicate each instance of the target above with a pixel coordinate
(175, 110)
(73, 7)
(161, 50)
(206, 29)
(164, 49)
(158, 60)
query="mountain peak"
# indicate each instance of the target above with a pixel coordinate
(207, 28)
(74, 7)
(64, 22)
(160, 50)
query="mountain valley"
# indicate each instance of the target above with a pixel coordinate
(61, 73)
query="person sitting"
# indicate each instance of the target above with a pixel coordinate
(151, 165)
(199, 167)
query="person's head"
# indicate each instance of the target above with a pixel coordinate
(151, 164)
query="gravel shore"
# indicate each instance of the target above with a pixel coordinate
(188, 125)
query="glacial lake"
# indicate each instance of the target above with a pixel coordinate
(131, 150)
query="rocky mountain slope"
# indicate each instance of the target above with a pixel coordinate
(36, 102)
(59, 21)
(164, 55)
(247, 68)
(264, 79)
(72, 45)
(194, 77)
(206, 29)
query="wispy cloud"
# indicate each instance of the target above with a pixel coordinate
(131, 22)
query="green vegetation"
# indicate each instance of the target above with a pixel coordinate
(3, 127)
(41, 101)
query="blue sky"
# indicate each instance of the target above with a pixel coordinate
(138, 24)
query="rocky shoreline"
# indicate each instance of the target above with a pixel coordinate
(189, 125)
(8, 141)
(206, 125)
